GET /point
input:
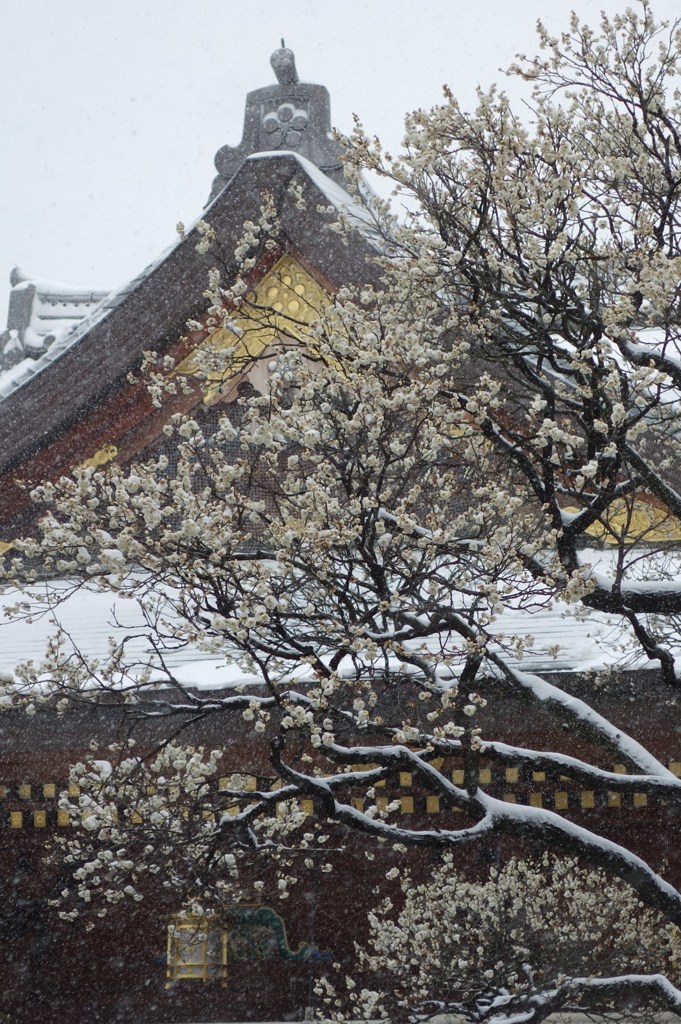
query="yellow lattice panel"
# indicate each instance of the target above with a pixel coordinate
(642, 520)
(278, 310)
(197, 948)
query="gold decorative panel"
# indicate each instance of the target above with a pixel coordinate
(277, 312)
(645, 521)
(101, 457)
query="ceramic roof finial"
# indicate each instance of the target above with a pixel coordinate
(283, 64)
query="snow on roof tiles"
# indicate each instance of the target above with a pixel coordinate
(587, 641)
(65, 315)
(40, 313)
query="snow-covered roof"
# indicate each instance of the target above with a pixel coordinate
(57, 317)
(563, 640)
(290, 118)
(40, 312)
(64, 315)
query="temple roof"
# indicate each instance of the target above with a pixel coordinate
(47, 319)
(565, 639)
(59, 409)
(39, 312)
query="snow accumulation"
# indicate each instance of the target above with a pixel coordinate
(65, 320)
(67, 332)
(56, 308)
(356, 213)
(91, 620)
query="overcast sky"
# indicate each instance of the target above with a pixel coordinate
(111, 113)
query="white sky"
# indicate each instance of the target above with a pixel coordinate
(111, 113)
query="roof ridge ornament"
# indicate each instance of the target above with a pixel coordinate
(289, 116)
(283, 63)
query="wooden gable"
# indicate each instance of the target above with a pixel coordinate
(84, 407)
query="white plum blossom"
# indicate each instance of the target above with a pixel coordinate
(445, 443)
(527, 941)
